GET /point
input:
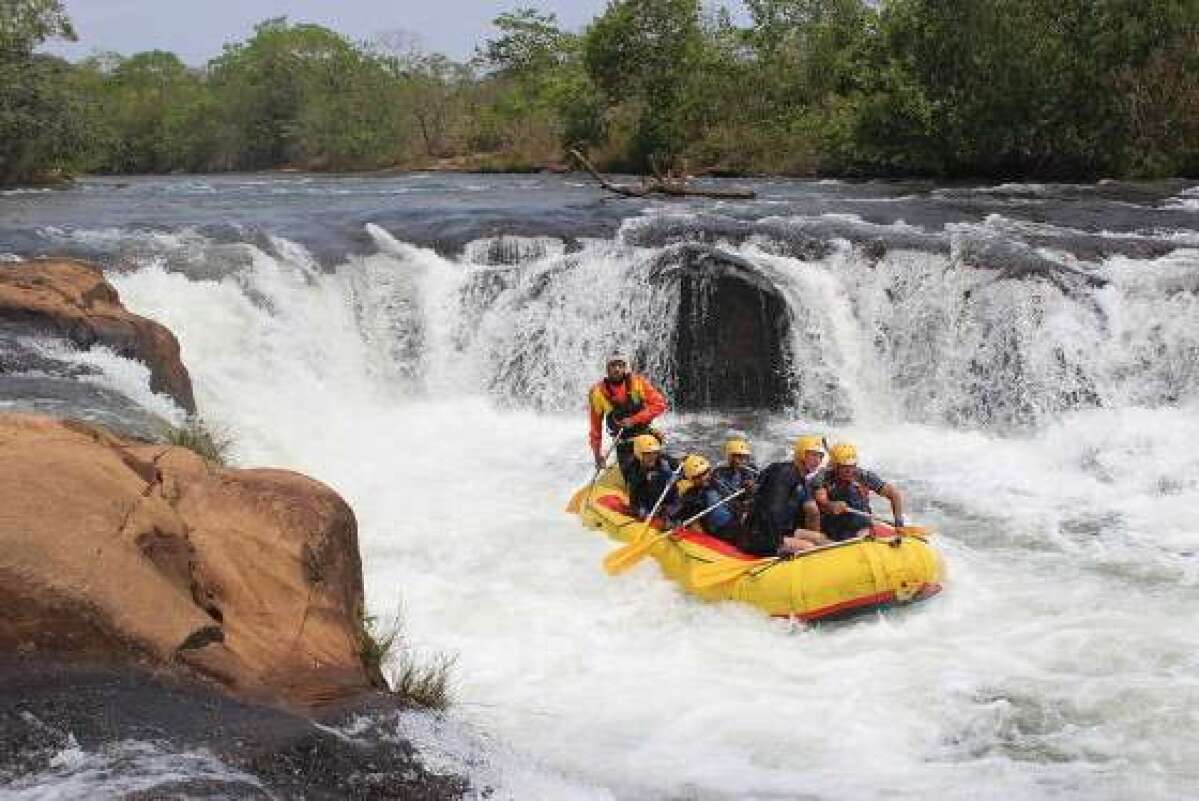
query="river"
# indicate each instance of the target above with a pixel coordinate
(423, 343)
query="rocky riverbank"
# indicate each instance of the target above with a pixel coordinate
(160, 602)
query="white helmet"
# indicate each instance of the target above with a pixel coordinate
(618, 357)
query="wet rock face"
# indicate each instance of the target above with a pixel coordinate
(122, 726)
(130, 553)
(730, 342)
(71, 299)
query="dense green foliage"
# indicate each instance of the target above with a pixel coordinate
(41, 122)
(1003, 88)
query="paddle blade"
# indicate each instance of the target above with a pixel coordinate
(915, 531)
(628, 555)
(724, 571)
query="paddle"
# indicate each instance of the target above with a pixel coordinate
(615, 561)
(731, 569)
(907, 531)
(626, 556)
(576, 502)
(726, 570)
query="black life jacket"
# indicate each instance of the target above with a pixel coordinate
(777, 508)
(646, 486)
(854, 494)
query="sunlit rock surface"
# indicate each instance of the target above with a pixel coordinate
(119, 551)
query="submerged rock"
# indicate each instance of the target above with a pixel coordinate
(124, 552)
(72, 300)
(1014, 261)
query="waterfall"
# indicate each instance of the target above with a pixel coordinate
(1032, 388)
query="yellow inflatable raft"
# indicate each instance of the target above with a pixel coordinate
(832, 582)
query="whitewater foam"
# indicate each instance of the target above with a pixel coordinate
(1060, 662)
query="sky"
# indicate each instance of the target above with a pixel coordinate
(195, 31)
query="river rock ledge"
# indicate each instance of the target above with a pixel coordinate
(116, 551)
(72, 300)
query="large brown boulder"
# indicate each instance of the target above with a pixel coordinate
(72, 299)
(112, 550)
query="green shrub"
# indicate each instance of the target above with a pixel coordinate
(197, 436)
(414, 681)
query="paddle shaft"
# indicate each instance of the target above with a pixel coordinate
(869, 516)
(718, 504)
(623, 558)
(669, 484)
(600, 468)
(698, 516)
(608, 453)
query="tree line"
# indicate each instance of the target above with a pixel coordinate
(971, 88)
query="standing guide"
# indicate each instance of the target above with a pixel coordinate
(627, 403)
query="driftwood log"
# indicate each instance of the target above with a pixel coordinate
(660, 185)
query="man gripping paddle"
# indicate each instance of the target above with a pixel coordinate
(623, 401)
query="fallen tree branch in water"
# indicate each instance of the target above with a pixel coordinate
(661, 185)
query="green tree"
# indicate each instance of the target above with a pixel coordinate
(43, 124)
(530, 44)
(25, 24)
(1016, 87)
(303, 94)
(541, 96)
(156, 115)
(642, 52)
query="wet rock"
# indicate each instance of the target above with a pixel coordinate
(32, 379)
(1017, 261)
(71, 299)
(1095, 247)
(792, 238)
(69, 398)
(730, 342)
(134, 553)
(124, 720)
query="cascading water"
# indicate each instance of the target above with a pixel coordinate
(1046, 426)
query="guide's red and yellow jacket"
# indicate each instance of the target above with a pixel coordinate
(634, 398)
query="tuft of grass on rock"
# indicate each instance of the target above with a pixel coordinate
(423, 682)
(379, 638)
(199, 437)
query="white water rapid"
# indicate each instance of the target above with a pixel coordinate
(1051, 436)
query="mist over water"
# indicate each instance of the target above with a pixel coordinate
(1046, 424)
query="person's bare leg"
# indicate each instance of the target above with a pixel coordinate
(812, 536)
(795, 545)
(802, 540)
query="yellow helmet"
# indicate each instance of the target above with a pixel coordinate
(737, 446)
(808, 442)
(646, 443)
(844, 453)
(695, 465)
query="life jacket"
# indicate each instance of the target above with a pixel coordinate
(856, 495)
(699, 499)
(729, 479)
(646, 486)
(733, 478)
(777, 508)
(612, 409)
